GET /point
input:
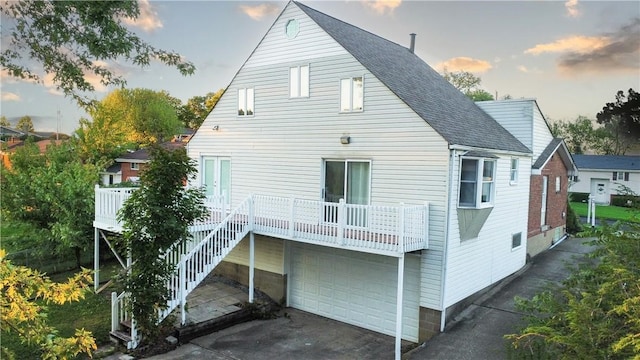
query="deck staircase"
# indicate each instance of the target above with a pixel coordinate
(193, 260)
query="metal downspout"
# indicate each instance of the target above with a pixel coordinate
(443, 315)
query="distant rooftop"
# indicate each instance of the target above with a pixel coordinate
(607, 162)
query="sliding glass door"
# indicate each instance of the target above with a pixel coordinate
(216, 177)
(349, 180)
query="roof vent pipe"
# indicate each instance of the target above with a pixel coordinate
(413, 42)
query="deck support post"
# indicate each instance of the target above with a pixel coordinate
(399, 305)
(96, 259)
(182, 284)
(252, 259)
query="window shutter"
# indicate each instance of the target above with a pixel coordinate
(626, 176)
(615, 177)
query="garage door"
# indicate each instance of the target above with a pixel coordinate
(356, 288)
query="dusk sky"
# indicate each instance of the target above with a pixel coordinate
(571, 56)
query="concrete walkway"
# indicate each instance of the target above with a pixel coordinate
(478, 332)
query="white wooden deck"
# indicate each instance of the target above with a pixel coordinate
(384, 230)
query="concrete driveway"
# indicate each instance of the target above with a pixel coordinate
(294, 335)
(478, 332)
(475, 334)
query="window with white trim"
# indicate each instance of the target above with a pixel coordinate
(352, 94)
(620, 175)
(558, 184)
(135, 166)
(516, 240)
(245, 102)
(477, 182)
(299, 81)
(513, 177)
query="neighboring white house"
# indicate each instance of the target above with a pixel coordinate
(322, 111)
(602, 175)
(551, 169)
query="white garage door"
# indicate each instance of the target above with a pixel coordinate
(356, 288)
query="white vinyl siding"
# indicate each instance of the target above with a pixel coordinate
(585, 176)
(523, 119)
(490, 255)
(281, 150)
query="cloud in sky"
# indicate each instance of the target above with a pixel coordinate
(257, 12)
(464, 63)
(148, 19)
(382, 6)
(9, 96)
(572, 8)
(576, 44)
(610, 52)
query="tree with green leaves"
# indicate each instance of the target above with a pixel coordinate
(25, 124)
(625, 114)
(70, 39)
(156, 217)
(468, 84)
(4, 121)
(582, 135)
(25, 294)
(194, 112)
(53, 194)
(595, 313)
(126, 119)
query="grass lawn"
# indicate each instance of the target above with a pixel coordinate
(608, 212)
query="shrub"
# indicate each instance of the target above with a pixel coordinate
(578, 197)
(573, 223)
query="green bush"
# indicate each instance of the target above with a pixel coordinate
(625, 200)
(578, 197)
(573, 223)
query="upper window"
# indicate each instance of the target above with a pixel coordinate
(352, 94)
(477, 182)
(514, 171)
(245, 102)
(558, 184)
(135, 166)
(299, 81)
(620, 175)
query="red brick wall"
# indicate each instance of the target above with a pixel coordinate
(127, 172)
(556, 202)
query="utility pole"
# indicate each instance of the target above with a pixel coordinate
(58, 126)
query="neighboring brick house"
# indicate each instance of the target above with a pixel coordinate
(550, 171)
(129, 166)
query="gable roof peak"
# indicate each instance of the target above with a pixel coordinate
(448, 111)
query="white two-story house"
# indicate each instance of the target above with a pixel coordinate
(369, 189)
(325, 111)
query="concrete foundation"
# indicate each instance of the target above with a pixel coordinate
(273, 285)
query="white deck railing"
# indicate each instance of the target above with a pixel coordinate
(386, 230)
(389, 230)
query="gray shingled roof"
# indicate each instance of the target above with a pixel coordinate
(556, 145)
(607, 162)
(449, 112)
